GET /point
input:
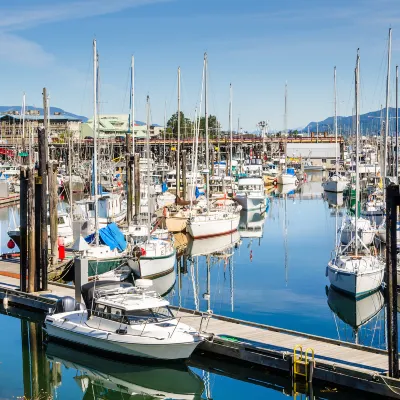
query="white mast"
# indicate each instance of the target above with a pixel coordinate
(23, 123)
(96, 211)
(178, 155)
(206, 130)
(357, 77)
(148, 167)
(230, 127)
(335, 121)
(133, 103)
(385, 144)
(165, 128)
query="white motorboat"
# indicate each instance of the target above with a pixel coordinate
(250, 194)
(335, 183)
(356, 275)
(366, 232)
(287, 177)
(123, 320)
(165, 199)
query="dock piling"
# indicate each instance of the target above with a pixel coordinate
(31, 231)
(23, 227)
(53, 200)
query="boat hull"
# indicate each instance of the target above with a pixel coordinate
(153, 267)
(355, 284)
(101, 266)
(334, 186)
(112, 343)
(286, 179)
(204, 228)
(249, 203)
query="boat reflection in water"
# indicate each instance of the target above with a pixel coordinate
(357, 313)
(251, 224)
(102, 378)
(334, 199)
(198, 247)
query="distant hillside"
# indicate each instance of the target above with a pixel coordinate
(369, 122)
(7, 109)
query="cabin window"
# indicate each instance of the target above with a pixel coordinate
(148, 316)
(91, 206)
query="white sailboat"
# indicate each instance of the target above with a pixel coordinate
(211, 222)
(336, 183)
(353, 271)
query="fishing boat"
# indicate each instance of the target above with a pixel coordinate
(353, 269)
(270, 172)
(250, 194)
(123, 320)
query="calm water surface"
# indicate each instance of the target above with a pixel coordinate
(273, 273)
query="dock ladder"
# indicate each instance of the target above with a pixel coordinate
(303, 368)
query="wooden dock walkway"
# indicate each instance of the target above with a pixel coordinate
(337, 363)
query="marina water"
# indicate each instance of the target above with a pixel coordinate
(277, 279)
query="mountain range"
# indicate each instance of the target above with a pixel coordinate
(8, 109)
(369, 123)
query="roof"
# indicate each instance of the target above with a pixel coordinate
(40, 117)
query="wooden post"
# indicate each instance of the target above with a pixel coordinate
(137, 186)
(31, 231)
(43, 158)
(38, 249)
(184, 184)
(392, 201)
(23, 225)
(53, 200)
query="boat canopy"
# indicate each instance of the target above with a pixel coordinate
(110, 236)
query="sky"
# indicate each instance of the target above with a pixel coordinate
(256, 45)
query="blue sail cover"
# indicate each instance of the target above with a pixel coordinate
(110, 236)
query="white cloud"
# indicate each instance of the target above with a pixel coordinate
(19, 19)
(16, 49)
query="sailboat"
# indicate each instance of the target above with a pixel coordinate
(154, 257)
(352, 270)
(102, 257)
(336, 183)
(211, 222)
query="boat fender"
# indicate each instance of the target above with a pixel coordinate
(336, 276)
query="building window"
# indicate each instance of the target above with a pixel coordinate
(324, 161)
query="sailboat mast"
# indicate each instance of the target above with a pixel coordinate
(230, 129)
(148, 166)
(385, 144)
(133, 102)
(335, 121)
(397, 122)
(96, 211)
(206, 130)
(165, 128)
(178, 154)
(285, 118)
(357, 152)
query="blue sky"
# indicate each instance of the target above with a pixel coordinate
(255, 44)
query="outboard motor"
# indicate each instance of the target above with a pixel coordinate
(67, 304)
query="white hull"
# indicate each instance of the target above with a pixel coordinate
(286, 179)
(118, 344)
(214, 224)
(366, 236)
(356, 280)
(251, 202)
(153, 267)
(334, 186)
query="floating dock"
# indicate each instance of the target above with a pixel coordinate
(305, 358)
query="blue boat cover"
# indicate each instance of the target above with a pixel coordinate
(110, 236)
(290, 171)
